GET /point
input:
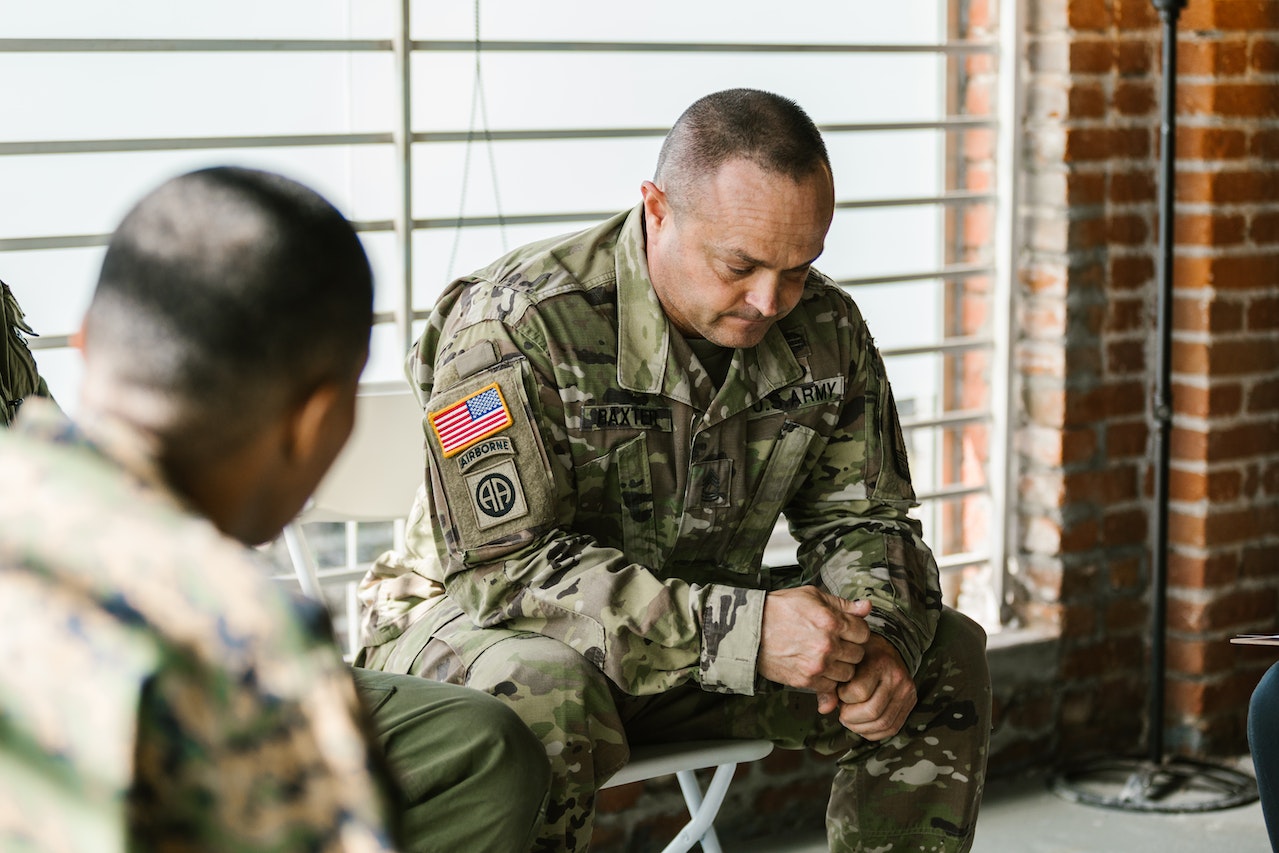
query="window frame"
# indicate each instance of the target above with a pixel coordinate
(405, 139)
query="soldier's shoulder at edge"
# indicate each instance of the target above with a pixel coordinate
(87, 525)
(548, 267)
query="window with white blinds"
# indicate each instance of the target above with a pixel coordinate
(451, 131)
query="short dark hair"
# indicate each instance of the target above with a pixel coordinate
(231, 292)
(769, 130)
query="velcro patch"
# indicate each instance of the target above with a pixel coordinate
(627, 417)
(485, 450)
(470, 420)
(710, 484)
(798, 343)
(497, 496)
(801, 396)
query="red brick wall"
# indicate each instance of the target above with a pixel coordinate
(1224, 526)
(1085, 349)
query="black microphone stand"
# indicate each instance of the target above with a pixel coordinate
(1160, 783)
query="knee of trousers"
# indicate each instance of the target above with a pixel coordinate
(544, 680)
(957, 657)
(564, 699)
(500, 732)
(965, 639)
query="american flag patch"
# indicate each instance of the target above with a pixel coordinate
(471, 419)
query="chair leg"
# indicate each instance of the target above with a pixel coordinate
(702, 810)
(303, 561)
(352, 621)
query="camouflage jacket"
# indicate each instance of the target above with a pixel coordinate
(18, 376)
(159, 690)
(592, 484)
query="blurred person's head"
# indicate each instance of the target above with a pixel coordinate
(231, 323)
(736, 213)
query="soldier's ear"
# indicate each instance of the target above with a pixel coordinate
(656, 207)
(317, 422)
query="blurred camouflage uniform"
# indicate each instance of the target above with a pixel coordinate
(159, 691)
(18, 376)
(604, 517)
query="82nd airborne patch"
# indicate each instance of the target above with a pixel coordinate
(497, 496)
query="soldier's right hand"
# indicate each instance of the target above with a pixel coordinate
(812, 640)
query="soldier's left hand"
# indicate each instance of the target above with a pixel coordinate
(880, 695)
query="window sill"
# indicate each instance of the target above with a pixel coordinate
(1023, 655)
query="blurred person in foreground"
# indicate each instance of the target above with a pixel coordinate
(159, 689)
(616, 419)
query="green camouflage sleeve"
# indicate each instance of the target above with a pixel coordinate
(506, 506)
(19, 378)
(850, 516)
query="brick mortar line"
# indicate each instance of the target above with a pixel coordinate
(1200, 508)
(1202, 468)
(1240, 298)
(1200, 595)
(1227, 208)
(1219, 251)
(1192, 423)
(1199, 336)
(1194, 166)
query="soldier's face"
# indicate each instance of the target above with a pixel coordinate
(730, 259)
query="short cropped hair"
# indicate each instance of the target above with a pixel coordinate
(769, 130)
(231, 292)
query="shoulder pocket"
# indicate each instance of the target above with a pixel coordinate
(488, 460)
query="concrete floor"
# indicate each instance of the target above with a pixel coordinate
(1024, 816)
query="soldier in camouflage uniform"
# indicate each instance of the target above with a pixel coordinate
(615, 420)
(159, 690)
(18, 376)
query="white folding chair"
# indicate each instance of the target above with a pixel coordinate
(682, 759)
(373, 479)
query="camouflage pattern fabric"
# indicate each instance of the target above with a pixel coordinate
(602, 508)
(18, 376)
(159, 690)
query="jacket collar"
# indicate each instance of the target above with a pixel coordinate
(117, 442)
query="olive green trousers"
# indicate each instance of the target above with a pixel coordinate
(455, 752)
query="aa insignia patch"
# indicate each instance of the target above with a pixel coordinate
(497, 495)
(470, 420)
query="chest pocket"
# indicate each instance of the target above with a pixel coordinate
(615, 501)
(773, 488)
